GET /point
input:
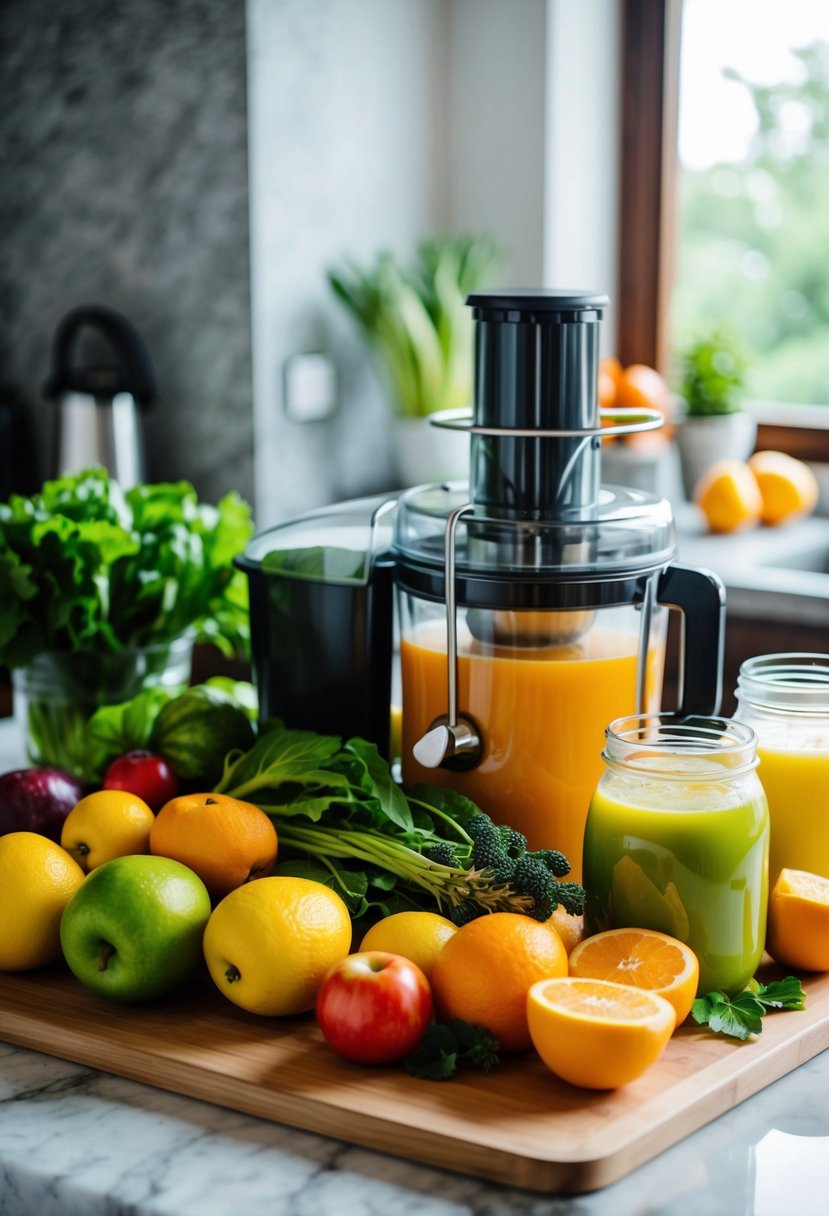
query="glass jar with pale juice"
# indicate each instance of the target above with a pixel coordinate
(785, 698)
(677, 840)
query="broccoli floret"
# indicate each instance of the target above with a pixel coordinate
(502, 872)
(464, 912)
(514, 843)
(531, 877)
(442, 853)
(555, 862)
(487, 850)
(571, 897)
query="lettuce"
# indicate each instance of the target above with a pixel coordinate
(86, 566)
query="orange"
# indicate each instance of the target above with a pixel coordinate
(610, 370)
(728, 496)
(484, 972)
(798, 924)
(568, 926)
(641, 958)
(37, 880)
(597, 1034)
(104, 825)
(225, 841)
(418, 936)
(641, 387)
(788, 487)
(269, 944)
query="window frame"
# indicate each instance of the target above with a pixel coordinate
(650, 52)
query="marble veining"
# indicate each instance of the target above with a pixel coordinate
(75, 1141)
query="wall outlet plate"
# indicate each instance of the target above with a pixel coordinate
(310, 387)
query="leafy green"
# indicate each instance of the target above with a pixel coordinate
(85, 566)
(779, 994)
(447, 1046)
(116, 729)
(415, 320)
(713, 375)
(336, 808)
(742, 1015)
(191, 728)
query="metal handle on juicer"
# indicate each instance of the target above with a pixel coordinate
(451, 741)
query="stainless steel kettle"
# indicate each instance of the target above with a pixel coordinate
(98, 403)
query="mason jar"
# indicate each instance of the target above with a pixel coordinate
(785, 698)
(677, 840)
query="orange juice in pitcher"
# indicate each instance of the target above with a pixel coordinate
(542, 709)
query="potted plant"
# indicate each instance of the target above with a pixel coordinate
(715, 424)
(415, 321)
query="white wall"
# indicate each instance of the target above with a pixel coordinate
(582, 140)
(343, 100)
(496, 125)
(375, 122)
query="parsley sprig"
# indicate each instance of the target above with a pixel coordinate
(447, 1046)
(742, 1015)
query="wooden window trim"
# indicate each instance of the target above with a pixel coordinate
(651, 34)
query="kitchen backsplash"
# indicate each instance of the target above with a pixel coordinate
(123, 141)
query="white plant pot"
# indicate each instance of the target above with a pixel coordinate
(425, 453)
(702, 441)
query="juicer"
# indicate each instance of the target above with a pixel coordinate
(531, 601)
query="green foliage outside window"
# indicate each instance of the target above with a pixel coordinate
(754, 241)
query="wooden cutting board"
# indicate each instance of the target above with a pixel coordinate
(520, 1126)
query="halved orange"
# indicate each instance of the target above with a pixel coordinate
(644, 959)
(798, 924)
(597, 1034)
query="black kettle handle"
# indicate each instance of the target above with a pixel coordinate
(700, 596)
(136, 374)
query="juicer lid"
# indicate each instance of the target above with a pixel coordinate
(532, 303)
(627, 534)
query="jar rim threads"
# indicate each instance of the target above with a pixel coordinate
(788, 682)
(646, 742)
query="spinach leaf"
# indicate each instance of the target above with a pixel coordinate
(85, 566)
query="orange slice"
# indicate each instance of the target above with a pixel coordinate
(596, 1034)
(641, 958)
(798, 926)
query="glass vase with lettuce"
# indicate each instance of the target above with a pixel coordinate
(102, 595)
(414, 320)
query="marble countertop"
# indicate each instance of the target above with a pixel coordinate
(77, 1141)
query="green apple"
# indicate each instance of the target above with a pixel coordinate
(133, 930)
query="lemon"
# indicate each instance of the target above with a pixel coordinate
(105, 825)
(417, 936)
(37, 880)
(269, 943)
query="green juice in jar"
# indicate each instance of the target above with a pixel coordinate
(679, 843)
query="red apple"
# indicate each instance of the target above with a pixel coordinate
(374, 1007)
(148, 777)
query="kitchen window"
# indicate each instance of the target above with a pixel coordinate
(725, 195)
